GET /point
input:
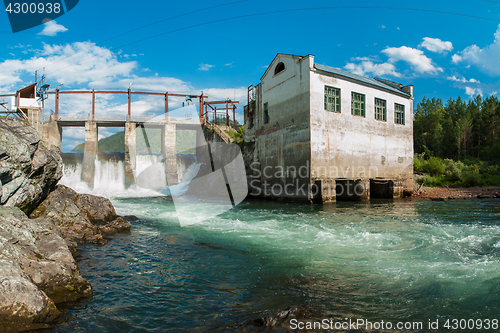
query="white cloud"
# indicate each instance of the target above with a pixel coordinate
(472, 92)
(368, 67)
(51, 28)
(436, 45)
(462, 79)
(205, 67)
(382, 26)
(456, 58)
(414, 57)
(487, 59)
(76, 63)
(370, 58)
(222, 94)
(156, 84)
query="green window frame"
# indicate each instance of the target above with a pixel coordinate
(357, 104)
(399, 114)
(380, 109)
(266, 113)
(332, 99)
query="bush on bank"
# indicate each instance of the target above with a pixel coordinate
(441, 172)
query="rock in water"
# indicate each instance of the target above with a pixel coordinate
(81, 218)
(37, 270)
(28, 171)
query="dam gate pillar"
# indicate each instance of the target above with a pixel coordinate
(52, 136)
(168, 150)
(130, 153)
(90, 153)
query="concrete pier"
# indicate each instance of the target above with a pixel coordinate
(168, 150)
(35, 118)
(52, 136)
(323, 191)
(130, 154)
(90, 153)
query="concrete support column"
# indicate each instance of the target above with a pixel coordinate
(323, 191)
(168, 137)
(398, 188)
(130, 153)
(52, 136)
(90, 153)
(35, 119)
(364, 184)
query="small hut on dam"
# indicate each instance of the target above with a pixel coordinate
(323, 134)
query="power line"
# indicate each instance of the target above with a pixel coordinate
(174, 17)
(279, 12)
(157, 22)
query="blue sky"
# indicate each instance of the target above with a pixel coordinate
(445, 49)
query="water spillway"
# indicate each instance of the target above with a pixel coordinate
(109, 177)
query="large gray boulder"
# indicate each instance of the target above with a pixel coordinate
(37, 271)
(80, 218)
(28, 171)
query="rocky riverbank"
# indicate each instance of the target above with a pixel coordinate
(37, 268)
(454, 192)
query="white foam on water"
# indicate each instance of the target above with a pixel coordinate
(109, 179)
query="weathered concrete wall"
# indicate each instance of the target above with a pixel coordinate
(90, 153)
(344, 146)
(35, 119)
(52, 136)
(130, 153)
(280, 167)
(168, 136)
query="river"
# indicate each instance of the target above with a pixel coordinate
(401, 260)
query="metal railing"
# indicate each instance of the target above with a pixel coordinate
(129, 94)
(221, 133)
(219, 109)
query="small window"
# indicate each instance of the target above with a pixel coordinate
(357, 104)
(266, 114)
(279, 68)
(332, 99)
(399, 113)
(380, 109)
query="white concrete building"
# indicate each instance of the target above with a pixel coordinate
(353, 135)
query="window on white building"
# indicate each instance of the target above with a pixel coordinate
(266, 113)
(279, 68)
(380, 109)
(332, 99)
(357, 104)
(399, 113)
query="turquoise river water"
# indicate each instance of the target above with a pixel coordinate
(401, 260)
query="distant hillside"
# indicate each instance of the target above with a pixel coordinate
(115, 143)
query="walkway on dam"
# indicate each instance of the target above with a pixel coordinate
(210, 114)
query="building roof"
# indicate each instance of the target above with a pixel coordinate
(359, 78)
(28, 91)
